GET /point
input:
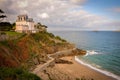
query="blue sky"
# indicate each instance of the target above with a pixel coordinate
(67, 14)
(103, 7)
(103, 3)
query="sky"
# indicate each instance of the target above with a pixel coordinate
(67, 14)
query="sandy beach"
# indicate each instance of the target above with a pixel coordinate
(78, 69)
(74, 71)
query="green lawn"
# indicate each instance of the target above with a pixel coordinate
(12, 33)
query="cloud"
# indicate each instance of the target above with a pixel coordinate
(57, 14)
(22, 4)
(78, 1)
(43, 15)
(116, 9)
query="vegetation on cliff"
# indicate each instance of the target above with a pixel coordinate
(21, 54)
(26, 51)
(30, 49)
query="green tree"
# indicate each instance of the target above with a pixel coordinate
(4, 26)
(1, 15)
(41, 27)
(13, 26)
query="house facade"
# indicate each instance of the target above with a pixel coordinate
(25, 24)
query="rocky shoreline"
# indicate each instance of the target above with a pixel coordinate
(68, 69)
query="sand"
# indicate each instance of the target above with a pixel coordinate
(73, 71)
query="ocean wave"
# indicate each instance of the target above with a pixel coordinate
(97, 69)
(92, 52)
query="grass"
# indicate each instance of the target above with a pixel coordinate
(41, 37)
(13, 36)
(12, 33)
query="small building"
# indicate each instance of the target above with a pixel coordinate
(25, 24)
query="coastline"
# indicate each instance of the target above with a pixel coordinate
(86, 71)
(73, 71)
(96, 69)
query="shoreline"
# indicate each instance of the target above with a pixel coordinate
(74, 71)
(107, 73)
(89, 71)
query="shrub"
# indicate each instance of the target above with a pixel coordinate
(77, 79)
(51, 35)
(16, 74)
(57, 37)
(5, 43)
(40, 37)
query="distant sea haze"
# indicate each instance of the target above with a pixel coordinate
(103, 49)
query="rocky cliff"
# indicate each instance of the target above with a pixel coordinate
(30, 49)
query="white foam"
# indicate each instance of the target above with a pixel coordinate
(92, 52)
(99, 70)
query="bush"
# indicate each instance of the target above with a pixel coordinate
(5, 43)
(77, 79)
(5, 26)
(57, 37)
(16, 74)
(51, 35)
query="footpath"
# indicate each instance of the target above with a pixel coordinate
(51, 61)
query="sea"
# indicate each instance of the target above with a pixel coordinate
(103, 49)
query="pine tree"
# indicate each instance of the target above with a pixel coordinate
(2, 16)
(4, 26)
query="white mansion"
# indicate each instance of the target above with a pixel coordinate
(25, 24)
